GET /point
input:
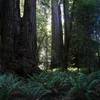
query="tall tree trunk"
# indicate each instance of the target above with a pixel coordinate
(8, 30)
(57, 35)
(66, 31)
(68, 28)
(29, 37)
(0, 29)
(16, 27)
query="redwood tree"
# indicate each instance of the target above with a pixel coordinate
(66, 31)
(9, 28)
(57, 36)
(28, 34)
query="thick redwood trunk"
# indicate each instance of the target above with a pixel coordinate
(9, 30)
(18, 36)
(28, 34)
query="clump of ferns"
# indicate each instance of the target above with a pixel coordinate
(79, 82)
(48, 85)
(8, 84)
(85, 85)
(94, 85)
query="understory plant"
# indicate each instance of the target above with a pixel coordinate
(55, 85)
(8, 84)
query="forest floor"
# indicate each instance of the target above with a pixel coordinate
(54, 85)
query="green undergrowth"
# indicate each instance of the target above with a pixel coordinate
(55, 85)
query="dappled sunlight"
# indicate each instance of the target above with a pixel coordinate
(73, 69)
(22, 7)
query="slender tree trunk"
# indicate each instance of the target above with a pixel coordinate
(0, 30)
(57, 35)
(66, 31)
